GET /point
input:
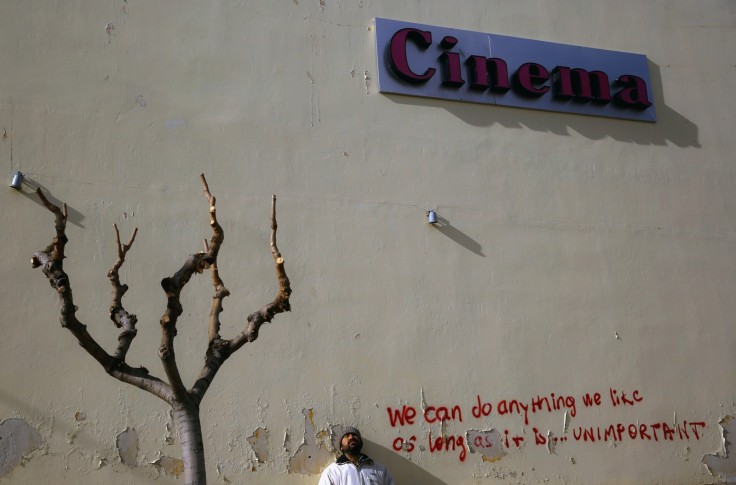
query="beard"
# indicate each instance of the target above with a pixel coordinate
(353, 447)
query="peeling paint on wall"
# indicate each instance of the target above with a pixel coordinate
(310, 458)
(335, 434)
(17, 439)
(170, 466)
(722, 464)
(169, 437)
(259, 442)
(127, 444)
(487, 443)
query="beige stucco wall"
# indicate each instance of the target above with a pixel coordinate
(577, 255)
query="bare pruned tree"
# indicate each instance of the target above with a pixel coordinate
(184, 402)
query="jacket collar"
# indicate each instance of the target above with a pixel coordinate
(343, 460)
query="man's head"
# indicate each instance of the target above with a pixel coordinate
(350, 440)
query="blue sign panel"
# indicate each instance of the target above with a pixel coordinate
(460, 65)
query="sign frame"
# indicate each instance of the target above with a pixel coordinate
(462, 65)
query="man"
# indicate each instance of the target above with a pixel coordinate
(353, 467)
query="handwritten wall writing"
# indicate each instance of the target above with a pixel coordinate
(493, 444)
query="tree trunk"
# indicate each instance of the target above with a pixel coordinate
(190, 432)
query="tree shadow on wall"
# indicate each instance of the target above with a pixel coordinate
(29, 190)
(670, 126)
(403, 471)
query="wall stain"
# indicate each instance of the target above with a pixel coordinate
(17, 439)
(173, 467)
(110, 31)
(310, 458)
(259, 442)
(722, 464)
(127, 445)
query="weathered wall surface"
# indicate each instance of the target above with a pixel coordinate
(576, 255)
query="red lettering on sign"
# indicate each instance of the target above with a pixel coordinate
(529, 76)
(398, 60)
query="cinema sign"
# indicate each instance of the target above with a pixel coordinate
(460, 65)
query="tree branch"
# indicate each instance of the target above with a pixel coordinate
(279, 305)
(220, 350)
(52, 261)
(221, 292)
(140, 378)
(196, 263)
(120, 317)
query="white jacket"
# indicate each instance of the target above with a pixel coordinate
(368, 472)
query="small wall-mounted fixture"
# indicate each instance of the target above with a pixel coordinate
(17, 182)
(432, 217)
